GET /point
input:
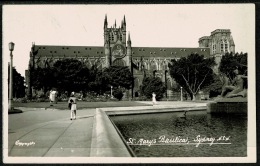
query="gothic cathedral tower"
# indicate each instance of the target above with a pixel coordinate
(115, 47)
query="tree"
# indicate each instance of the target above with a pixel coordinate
(94, 84)
(192, 73)
(70, 75)
(102, 82)
(18, 83)
(153, 84)
(42, 78)
(119, 76)
(230, 62)
(215, 88)
(116, 76)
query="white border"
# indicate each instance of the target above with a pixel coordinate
(251, 149)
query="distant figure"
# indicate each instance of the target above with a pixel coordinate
(237, 88)
(73, 106)
(154, 99)
(53, 97)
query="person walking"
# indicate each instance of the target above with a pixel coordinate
(52, 97)
(73, 106)
(154, 99)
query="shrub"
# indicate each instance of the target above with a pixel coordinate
(118, 94)
(20, 100)
(42, 100)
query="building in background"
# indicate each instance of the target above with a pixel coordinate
(219, 42)
(118, 50)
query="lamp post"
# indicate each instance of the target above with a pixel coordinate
(165, 80)
(181, 94)
(111, 92)
(11, 48)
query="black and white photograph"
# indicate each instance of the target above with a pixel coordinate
(129, 83)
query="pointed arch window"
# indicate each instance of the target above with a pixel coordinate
(169, 84)
(154, 66)
(136, 83)
(165, 65)
(226, 46)
(214, 48)
(221, 47)
(119, 62)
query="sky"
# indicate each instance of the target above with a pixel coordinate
(149, 26)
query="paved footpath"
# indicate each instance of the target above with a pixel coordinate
(58, 136)
(51, 133)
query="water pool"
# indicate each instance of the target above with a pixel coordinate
(172, 135)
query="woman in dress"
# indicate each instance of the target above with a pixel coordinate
(73, 108)
(154, 99)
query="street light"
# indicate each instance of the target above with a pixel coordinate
(11, 48)
(111, 92)
(181, 94)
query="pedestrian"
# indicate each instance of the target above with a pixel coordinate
(73, 106)
(154, 99)
(52, 97)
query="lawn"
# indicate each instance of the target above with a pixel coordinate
(80, 104)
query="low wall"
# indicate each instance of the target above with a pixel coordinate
(228, 105)
(105, 140)
(153, 111)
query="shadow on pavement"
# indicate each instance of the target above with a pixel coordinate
(15, 111)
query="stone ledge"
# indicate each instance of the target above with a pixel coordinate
(105, 140)
(154, 110)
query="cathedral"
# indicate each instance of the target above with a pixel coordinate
(118, 50)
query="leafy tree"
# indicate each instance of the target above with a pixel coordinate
(116, 76)
(153, 84)
(230, 62)
(119, 76)
(42, 78)
(70, 75)
(102, 82)
(18, 83)
(215, 88)
(192, 73)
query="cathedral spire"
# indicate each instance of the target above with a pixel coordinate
(115, 23)
(105, 22)
(129, 39)
(124, 20)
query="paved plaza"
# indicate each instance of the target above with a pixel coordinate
(39, 132)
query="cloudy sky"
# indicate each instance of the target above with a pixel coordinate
(149, 26)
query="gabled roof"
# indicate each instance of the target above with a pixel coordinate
(174, 52)
(95, 51)
(69, 51)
